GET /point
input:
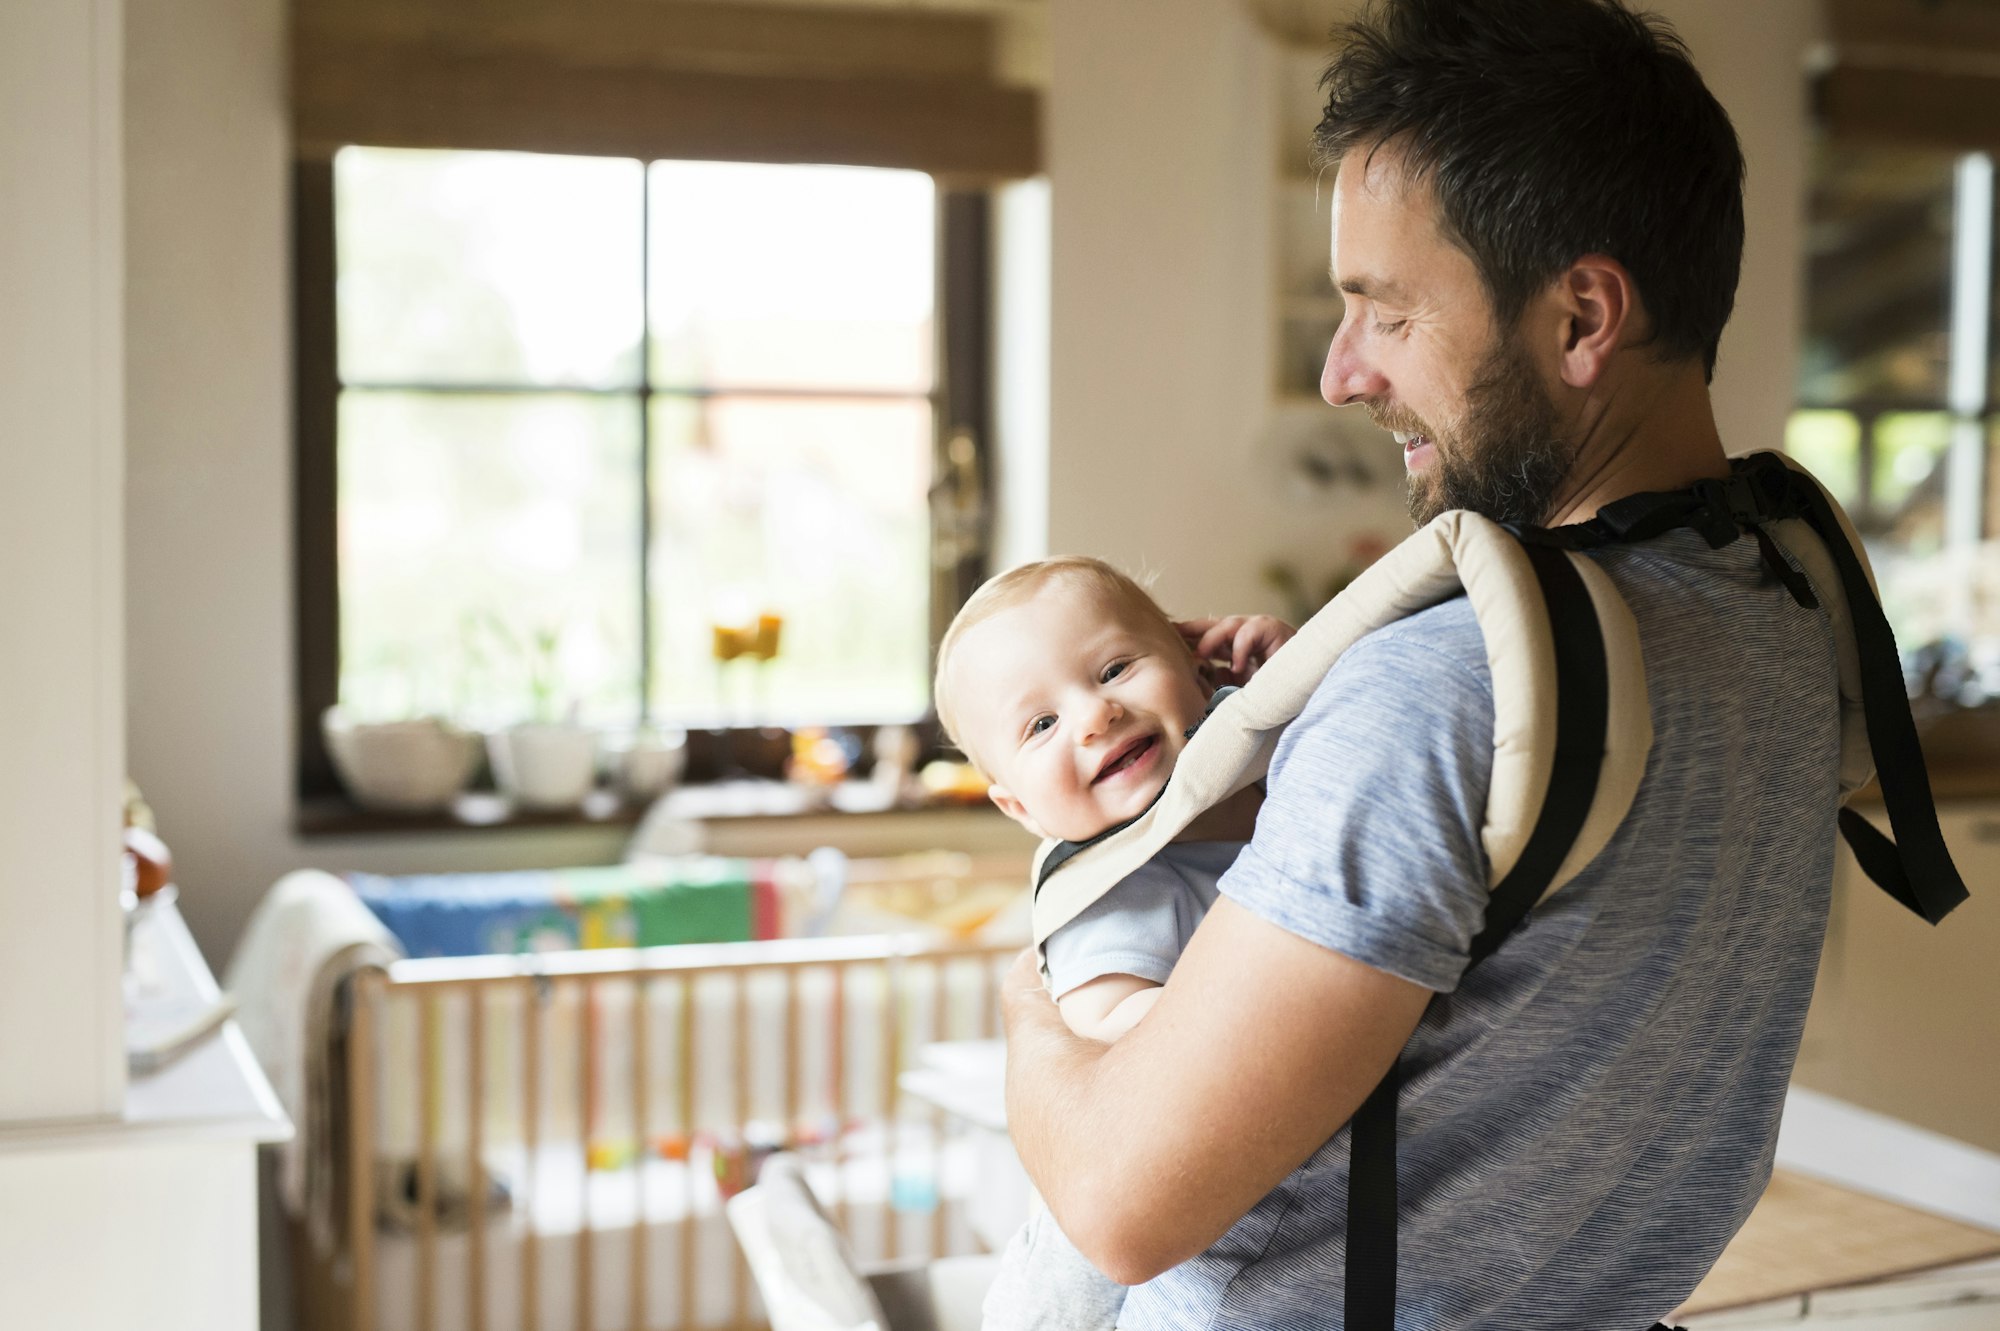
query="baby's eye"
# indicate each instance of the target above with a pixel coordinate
(1041, 724)
(1114, 670)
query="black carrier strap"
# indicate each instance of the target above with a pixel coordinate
(1583, 703)
(1915, 868)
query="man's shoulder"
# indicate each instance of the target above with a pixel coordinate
(1441, 645)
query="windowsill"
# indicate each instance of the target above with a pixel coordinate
(722, 801)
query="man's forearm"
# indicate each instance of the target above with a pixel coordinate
(1149, 1149)
(1051, 1084)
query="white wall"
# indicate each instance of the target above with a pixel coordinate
(61, 741)
(1162, 160)
(1754, 69)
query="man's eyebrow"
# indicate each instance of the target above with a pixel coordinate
(1369, 288)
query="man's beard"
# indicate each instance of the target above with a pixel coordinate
(1506, 457)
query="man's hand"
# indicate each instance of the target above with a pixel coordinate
(1023, 997)
(1235, 647)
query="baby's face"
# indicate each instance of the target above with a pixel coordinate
(1076, 706)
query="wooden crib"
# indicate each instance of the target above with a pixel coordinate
(542, 1143)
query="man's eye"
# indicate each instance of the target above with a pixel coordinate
(1115, 669)
(1040, 724)
(1386, 329)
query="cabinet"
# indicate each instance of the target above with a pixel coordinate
(1906, 1018)
(149, 1219)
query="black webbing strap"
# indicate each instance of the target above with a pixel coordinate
(1371, 1209)
(1583, 704)
(1583, 708)
(1915, 868)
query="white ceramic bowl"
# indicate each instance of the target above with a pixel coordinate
(647, 766)
(543, 766)
(413, 766)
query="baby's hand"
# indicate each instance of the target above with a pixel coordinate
(1234, 648)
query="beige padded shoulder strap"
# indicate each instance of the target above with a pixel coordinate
(1457, 552)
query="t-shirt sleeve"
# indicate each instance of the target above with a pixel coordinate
(1369, 839)
(1136, 928)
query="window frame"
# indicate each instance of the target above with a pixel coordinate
(962, 411)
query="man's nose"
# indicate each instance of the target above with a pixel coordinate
(1348, 375)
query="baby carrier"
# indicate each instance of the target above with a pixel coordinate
(1572, 728)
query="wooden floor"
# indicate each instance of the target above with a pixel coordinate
(1962, 1298)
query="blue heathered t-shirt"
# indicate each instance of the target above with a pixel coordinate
(1590, 1113)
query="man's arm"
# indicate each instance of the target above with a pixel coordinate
(1260, 1046)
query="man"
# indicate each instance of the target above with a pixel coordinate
(1537, 222)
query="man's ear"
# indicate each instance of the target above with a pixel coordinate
(1602, 312)
(1004, 800)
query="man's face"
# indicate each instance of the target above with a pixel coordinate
(1077, 708)
(1419, 348)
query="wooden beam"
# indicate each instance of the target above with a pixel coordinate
(1910, 106)
(1955, 27)
(422, 95)
(668, 34)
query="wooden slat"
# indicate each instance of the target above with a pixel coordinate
(624, 963)
(793, 1016)
(475, 1161)
(586, 1241)
(531, 1088)
(392, 95)
(891, 1065)
(739, 1269)
(366, 993)
(837, 1065)
(776, 40)
(687, 1065)
(940, 1030)
(641, 1150)
(428, 1073)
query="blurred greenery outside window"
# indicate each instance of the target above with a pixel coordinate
(592, 409)
(1877, 389)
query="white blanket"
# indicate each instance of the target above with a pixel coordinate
(308, 934)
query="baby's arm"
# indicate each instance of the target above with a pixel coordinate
(1110, 1005)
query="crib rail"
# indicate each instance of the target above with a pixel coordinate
(541, 1143)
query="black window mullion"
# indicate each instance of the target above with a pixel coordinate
(645, 443)
(315, 476)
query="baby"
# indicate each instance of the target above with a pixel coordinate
(1069, 687)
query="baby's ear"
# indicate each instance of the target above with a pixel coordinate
(1004, 800)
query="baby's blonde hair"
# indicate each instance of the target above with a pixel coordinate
(1016, 585)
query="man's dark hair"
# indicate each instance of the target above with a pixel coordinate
(1548, 130)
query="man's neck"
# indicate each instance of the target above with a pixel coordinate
(1650, 429)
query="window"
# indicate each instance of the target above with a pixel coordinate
(1895, 409)
(599, 435)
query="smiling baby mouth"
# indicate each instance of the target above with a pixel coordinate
(1125, 757)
